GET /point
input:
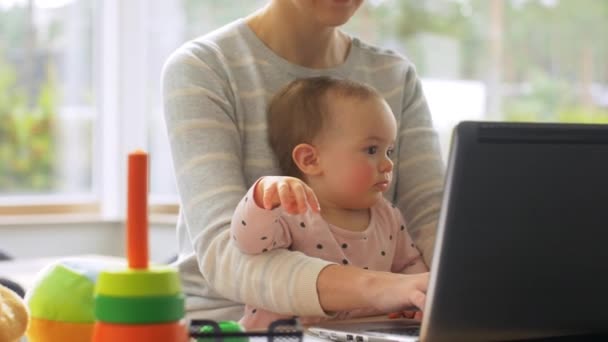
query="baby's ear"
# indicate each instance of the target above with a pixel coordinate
(306, 157)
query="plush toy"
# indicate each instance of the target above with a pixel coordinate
(13, 316)
(61, 301)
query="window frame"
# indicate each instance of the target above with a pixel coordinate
(119, 64)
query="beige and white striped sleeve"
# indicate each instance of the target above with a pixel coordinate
(206, 147)
(420, 169)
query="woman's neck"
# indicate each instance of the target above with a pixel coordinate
(297, 39)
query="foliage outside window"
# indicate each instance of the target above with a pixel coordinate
(539, 59)
(27, 143)
(46, 101)
(514, 60)
(522, 60)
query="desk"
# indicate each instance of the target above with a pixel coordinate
(25, 271)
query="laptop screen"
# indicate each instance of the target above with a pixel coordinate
(522, 243)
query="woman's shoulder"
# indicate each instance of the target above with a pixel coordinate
(215, 46)
(375, 53)
(385, 69)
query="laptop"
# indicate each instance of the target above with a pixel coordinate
(522, 241)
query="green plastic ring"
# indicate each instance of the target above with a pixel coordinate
(139, 283)
(139, 310)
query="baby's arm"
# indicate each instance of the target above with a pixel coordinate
(415, 266)
(257, 230)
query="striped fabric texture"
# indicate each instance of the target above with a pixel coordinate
(215, 92)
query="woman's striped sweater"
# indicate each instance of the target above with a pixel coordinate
(215, 93)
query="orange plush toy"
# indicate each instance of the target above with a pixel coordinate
(14, 316)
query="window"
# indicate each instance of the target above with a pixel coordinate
(47, 98)
(77, 75)
(512, 60)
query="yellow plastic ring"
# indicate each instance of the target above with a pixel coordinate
(139, 283)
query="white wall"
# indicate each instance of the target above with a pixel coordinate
(34, 240)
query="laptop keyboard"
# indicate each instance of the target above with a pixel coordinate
(405, 331)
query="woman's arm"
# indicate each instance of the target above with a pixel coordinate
(206, 144)
(344, 288)
(420, 170)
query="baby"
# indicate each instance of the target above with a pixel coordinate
(333, 140)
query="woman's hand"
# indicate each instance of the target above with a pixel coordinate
(393, 292)
(411, 314)
(343, 288)
(289, 192)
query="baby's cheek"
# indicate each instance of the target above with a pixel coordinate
(361, 177)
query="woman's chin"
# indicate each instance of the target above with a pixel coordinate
(337, 15)
(333, 20)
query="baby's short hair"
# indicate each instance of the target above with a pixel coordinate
(298, 112)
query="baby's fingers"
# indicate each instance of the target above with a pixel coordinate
(300, 196)
(313, 202)
(271, 196)
(287, 197)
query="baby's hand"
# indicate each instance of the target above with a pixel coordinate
(289, 192)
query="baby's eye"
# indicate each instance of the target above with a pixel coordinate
(372, 150)
(389, 152)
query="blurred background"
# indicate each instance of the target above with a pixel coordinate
(80, 81)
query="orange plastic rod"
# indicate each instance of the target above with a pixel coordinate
(137, 210)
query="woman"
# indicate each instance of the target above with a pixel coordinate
(215, 92)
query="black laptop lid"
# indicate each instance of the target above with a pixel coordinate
(522, 245)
